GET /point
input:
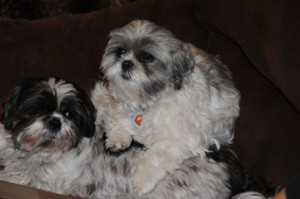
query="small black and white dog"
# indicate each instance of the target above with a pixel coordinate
(49, 115)
(48, 141)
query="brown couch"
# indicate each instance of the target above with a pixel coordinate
(258, 40)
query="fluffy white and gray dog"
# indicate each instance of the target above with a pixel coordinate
(175, 99)
(47, 141)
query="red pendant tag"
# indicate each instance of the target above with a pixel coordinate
(137, 119)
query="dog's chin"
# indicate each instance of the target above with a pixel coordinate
(46, 142)
(126, 76)
(126, 87)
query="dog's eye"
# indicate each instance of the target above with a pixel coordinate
(67, 114)
(146, 58)
(120, 51)
(45, 111)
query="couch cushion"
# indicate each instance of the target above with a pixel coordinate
(267, 132)
(71, 47)
(267, 32)
(258, 43)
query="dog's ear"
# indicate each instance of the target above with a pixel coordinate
(88, 112)
(182, 65)
(9, 109)
(89, 121)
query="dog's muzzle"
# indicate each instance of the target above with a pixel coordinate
(54, 125)
(127, 67)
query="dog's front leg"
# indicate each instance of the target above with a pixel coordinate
(159, 160)
(118, 132)
(118, 139)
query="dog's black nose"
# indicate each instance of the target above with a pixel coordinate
(127, 65)
(54, 124)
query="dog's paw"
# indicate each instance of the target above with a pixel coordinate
(118, 142)
(141, 184)
(145, 178)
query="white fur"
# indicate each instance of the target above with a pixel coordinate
(177, 124)
(250, 195)
(87, 171)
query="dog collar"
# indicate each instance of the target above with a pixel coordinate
(137, 117)
(2, 114)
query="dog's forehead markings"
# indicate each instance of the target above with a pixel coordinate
(61, 88)
(51, 82)
(129, 56)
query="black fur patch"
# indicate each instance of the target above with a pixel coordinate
(240, 180)
(154, 87)
(182, 66)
